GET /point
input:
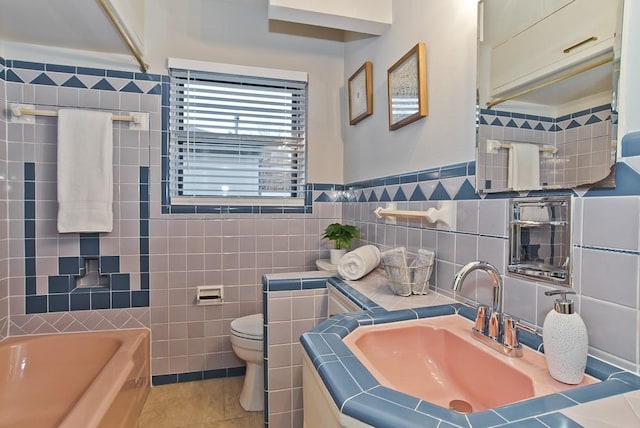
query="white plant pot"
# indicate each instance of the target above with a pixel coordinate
(336, 255)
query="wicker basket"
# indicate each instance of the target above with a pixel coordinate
(408, 280)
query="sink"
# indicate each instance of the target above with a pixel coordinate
(437, 360)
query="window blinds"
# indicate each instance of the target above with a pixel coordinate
(234, 136)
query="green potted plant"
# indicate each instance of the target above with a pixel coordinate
(341, 235)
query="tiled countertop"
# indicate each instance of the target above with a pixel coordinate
(358, 394)
(374, 291)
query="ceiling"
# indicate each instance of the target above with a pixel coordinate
(73, 24)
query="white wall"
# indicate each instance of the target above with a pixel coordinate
(629, 99)
(447, 134)
(236, 32)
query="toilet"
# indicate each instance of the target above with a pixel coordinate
(247, 343)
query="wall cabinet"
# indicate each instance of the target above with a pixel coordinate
(578, 32)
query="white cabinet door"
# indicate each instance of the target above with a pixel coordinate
(545, 47)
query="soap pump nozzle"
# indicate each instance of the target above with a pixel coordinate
(562, 305)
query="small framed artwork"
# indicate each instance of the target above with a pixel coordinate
(407, 87)
(360, 88)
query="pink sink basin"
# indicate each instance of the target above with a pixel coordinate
(437, 360)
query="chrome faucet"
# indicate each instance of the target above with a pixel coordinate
(493, 273)
(500, 333)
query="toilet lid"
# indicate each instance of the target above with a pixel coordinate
(249, 327)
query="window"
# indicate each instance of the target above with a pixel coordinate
(237, 135)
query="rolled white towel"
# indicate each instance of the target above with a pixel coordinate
(359, 262)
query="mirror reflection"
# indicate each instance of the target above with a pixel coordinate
(547, 76)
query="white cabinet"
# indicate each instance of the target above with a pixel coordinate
(579, 31)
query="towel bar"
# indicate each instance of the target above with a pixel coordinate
(138, 121)
(494, 145)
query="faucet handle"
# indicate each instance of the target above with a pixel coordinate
(510, 332)
(511, 327)
(481, 319)
(494, 325)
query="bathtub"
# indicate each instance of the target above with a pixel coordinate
(72, 380)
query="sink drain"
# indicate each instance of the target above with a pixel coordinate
(460, 406)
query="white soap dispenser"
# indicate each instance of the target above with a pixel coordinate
(565, 340)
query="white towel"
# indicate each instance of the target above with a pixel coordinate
(523, 172)
(359, 262)
(85, 171)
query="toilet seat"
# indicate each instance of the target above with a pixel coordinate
(248, 327)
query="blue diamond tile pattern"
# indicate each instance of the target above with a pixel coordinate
(73, 82)
(103, 85)
(43, 79)
(131, 87)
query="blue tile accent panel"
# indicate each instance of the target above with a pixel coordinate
(62, 295)
(144, 178)
(109, 264)
(89, 245)
(359, 395)
(36, 304)
(59, 284)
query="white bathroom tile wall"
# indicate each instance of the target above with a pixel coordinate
(518, 296)
(467, 216)
(493, 217)
(447, 246)
(466, 248)
(494, 251)
(290, 313)
(611, 327)
(603, 217)
(610, 276)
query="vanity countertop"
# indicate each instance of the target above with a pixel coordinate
(373, 291)
(574, 408)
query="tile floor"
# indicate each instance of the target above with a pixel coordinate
(211, 403)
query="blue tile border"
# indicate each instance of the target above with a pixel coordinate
(171, 378)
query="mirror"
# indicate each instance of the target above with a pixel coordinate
(547, 77)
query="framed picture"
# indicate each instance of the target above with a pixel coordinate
(360, 88)
(407, 87)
